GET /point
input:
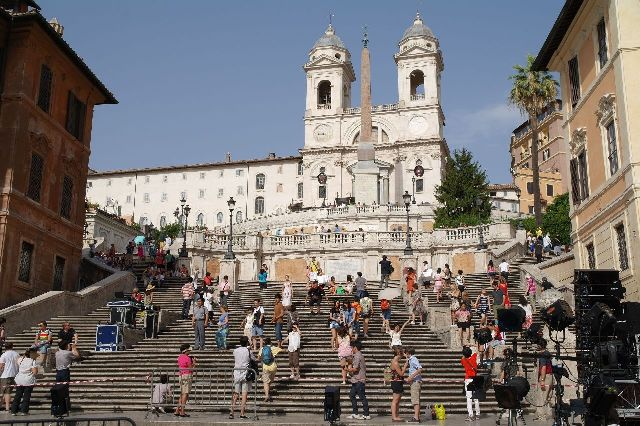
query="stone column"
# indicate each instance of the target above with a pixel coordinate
(231, 268)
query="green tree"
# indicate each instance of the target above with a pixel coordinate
(172, 230)
(556, 220)
(532, 92)
(463, 193)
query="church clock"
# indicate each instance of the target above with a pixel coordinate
(322, 133)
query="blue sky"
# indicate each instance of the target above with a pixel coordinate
(197, 79)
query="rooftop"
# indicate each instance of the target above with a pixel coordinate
(418, 29)
(556, 35)
(329, 39)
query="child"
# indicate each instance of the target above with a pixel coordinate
(385, 309)
(162, 394)
(483, 306)
(247, 323)
(293, 338)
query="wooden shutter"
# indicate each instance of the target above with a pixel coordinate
(575, 188)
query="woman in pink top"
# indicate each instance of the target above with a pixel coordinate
(532, 290)
(185, 366)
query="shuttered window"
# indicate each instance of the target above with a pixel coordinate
(574, 80)
(76, 111)
(602, 43)
(67, 197)
(613, 147)
(24, 266)
(44, 92)
(34, 189)
(584, 177)
(575, 186)
(591, 256)
(622, 247)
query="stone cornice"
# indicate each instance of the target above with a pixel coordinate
(378, 147)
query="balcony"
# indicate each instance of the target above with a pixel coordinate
(417, 97)
(324, 106)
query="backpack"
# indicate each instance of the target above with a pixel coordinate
(384, 304)
(365, 304)
(267, 355)
(252, 369)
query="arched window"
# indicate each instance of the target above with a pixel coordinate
(300, 168)
(300, 190)
(239, 216)
(378, 135)
(259, 205)
(163, 221)
(416, 79)
(200, 219)
(260, 179)
(219, 217)
(324, 95)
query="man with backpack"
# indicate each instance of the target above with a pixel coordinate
(367, 311)
(385, 271)
(269, 367)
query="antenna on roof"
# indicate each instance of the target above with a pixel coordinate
(331, 15)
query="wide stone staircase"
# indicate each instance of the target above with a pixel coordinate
(128, 370)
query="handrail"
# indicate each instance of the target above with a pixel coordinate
(77, 421)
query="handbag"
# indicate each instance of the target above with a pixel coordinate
(441, 413)
(252, 369)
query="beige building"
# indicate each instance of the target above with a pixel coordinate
(552, 158)
(595, 46)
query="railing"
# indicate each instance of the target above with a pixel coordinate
(467, 234)
(76, 421)
(375, 108)
(324, 106)
(210, 388)
(417, 97)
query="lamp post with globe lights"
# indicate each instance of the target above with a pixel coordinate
(406, 197)
(229, 254)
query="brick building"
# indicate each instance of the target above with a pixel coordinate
(47, 95)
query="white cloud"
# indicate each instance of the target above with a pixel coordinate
(488, 126)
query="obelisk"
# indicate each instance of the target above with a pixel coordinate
(365, 172)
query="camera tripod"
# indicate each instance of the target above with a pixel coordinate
(560, 414)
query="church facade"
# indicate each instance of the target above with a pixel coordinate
(381, 158)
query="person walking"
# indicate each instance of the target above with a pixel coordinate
(504, 269)
(199, 323)
(188, 292)
(385, 271)
(262, 279)
(538, 249)
(470, 363)
(242, 357)
(25, 380)
(532, 291)
(186, 363)
(397, 381)
(269, 366)
(278, 315)
(483, 306)
(366, 304)
(358, 371)
(415, 381)
(344, 351)
(293, 347)
(411, 282)
(257, 331)
(9, 368)
(361, 285)
(427, 274)
(287, 293)
(223, 328)
(437, 286)
(224, 287)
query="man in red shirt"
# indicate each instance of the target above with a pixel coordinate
(470, 363)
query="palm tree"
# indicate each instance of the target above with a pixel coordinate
(532, 92)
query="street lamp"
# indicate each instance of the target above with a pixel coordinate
(406, 197)
(183, 212)
(481, 244)
(518, 192)
(229, 254)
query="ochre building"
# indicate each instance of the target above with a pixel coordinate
(47, 95)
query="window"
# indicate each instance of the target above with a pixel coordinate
(76, 111)
(591, 256)
(240, 190)
(622, 248)
(529, 187)
(129, 181)
(574, 80)
(163, 197)
(492, 194)
(165, 178)
(146, 197)
(260, 181)
(128, 199)
(44, 93)
(143, 221)
(259, 205)
(239, 172)
(220, 192)
(58, 273)
(35, 177)
(108, 182)
(147, 179)
(183, 195)
(322, 191)
(324, 95)
(201, 193)
(200, 219)
(67, 197)
(549, 190)
(163, 221)
(300, 190)
(602, 43)
(219, 217)
(279, 187)
(220, 173)
(530, 209)
(280, 169)
(419, 185)
(416, 79)
(613, 147)
(300, 168)
(238, 216)
(24, 267)
(546, 154)
(89, 184)
(184, 176)
(584, 178)
(202, 175)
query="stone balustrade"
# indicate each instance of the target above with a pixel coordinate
(375, 108)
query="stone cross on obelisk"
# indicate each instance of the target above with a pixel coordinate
(366, 172)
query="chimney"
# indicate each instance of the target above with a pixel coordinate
(271, 155)
(227, 157)
(57, 27)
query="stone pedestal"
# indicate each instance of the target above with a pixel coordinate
(409, 262)
(231, 268)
